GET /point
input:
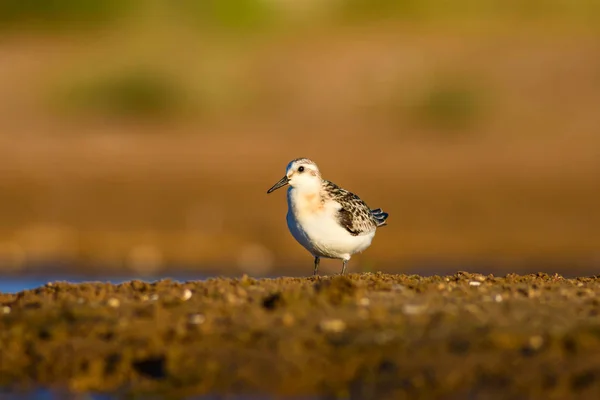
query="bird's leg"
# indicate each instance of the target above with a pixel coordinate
(317, 259)
(344, 262)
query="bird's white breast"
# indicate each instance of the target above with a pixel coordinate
(315, 226)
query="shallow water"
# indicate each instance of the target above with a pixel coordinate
(17, 283)
(32, 280)
(14, 284)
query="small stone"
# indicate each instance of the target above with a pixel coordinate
(332, 325)
(246, 280)
(6, 310)
(474, 283)
(187, 294)
(114, 303)
(196, 319)
(231, 298)
(536, 342)
(364, 302)
(153, 297)
(498, 298)
(414, 309)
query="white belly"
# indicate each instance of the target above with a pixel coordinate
(323, 236)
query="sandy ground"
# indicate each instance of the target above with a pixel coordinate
(359, 336)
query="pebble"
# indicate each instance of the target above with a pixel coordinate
(364, 302)
(6, 310)
(474, 283)
(187, 294)
(414, 309)
(113, 302)
(332, 325)
(231, 298)
(196, 319)
(498, 298)
(536, 342)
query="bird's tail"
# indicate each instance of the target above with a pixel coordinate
(380, 216)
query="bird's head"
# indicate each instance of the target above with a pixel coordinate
(300, 173)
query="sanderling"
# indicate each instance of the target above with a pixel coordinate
(327, 220)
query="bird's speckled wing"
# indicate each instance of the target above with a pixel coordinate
(354, 215)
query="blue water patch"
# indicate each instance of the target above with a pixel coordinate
(15, 284)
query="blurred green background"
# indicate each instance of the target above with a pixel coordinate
(142, 135)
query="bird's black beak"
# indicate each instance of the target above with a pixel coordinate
(282, 182)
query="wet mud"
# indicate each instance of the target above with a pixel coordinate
(361, 336)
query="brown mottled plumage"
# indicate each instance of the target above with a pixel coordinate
(354, 215)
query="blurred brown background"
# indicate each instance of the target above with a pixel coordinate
(142, 135)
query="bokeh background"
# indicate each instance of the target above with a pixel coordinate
(139, 137)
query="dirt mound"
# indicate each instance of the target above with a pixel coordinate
(363, 336)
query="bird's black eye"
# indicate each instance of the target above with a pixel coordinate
(300, 169)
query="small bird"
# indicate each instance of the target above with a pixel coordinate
(329, 221)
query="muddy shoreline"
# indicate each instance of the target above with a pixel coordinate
(358, 336)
